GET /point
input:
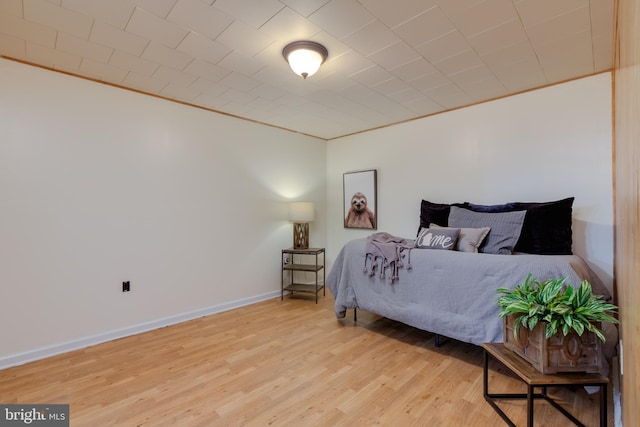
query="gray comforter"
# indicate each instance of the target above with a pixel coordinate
(446, 292)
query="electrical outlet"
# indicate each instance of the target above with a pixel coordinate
(126, 286)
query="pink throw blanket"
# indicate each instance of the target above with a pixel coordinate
(385, 250)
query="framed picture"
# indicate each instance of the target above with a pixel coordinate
(360, 199)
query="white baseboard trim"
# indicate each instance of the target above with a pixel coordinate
(616, 395)
(64, 347)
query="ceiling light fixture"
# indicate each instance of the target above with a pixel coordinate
(305, 57)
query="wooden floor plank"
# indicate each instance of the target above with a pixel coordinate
(280, 363)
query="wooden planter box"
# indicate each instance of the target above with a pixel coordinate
(572, 353)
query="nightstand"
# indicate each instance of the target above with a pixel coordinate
(297, 261)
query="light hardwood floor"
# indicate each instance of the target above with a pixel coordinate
(280, 363)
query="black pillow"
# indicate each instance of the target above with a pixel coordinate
(547, 228)
(436, 213)
(547, 225)
(507, 207)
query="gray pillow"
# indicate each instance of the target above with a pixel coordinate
(441, 238)
(469, 239)
(505, 228)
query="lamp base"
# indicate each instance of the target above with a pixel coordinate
(300, 235)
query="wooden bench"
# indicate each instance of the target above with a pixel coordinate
(533, 378)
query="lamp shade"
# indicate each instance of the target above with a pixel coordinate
(305, 57)
(301, 211)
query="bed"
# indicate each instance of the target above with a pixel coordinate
(452, 293)
(448, 293)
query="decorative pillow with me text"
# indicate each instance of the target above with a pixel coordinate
(437, 238)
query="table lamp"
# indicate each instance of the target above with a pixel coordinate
(301, 213)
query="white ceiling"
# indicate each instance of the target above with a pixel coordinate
(389, 60)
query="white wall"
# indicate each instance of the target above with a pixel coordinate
(100, 185)
(538, 146)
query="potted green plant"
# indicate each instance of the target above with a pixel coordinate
(555, 326)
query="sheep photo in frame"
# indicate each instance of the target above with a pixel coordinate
(360, 208)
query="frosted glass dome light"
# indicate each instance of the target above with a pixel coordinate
(305, 57)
